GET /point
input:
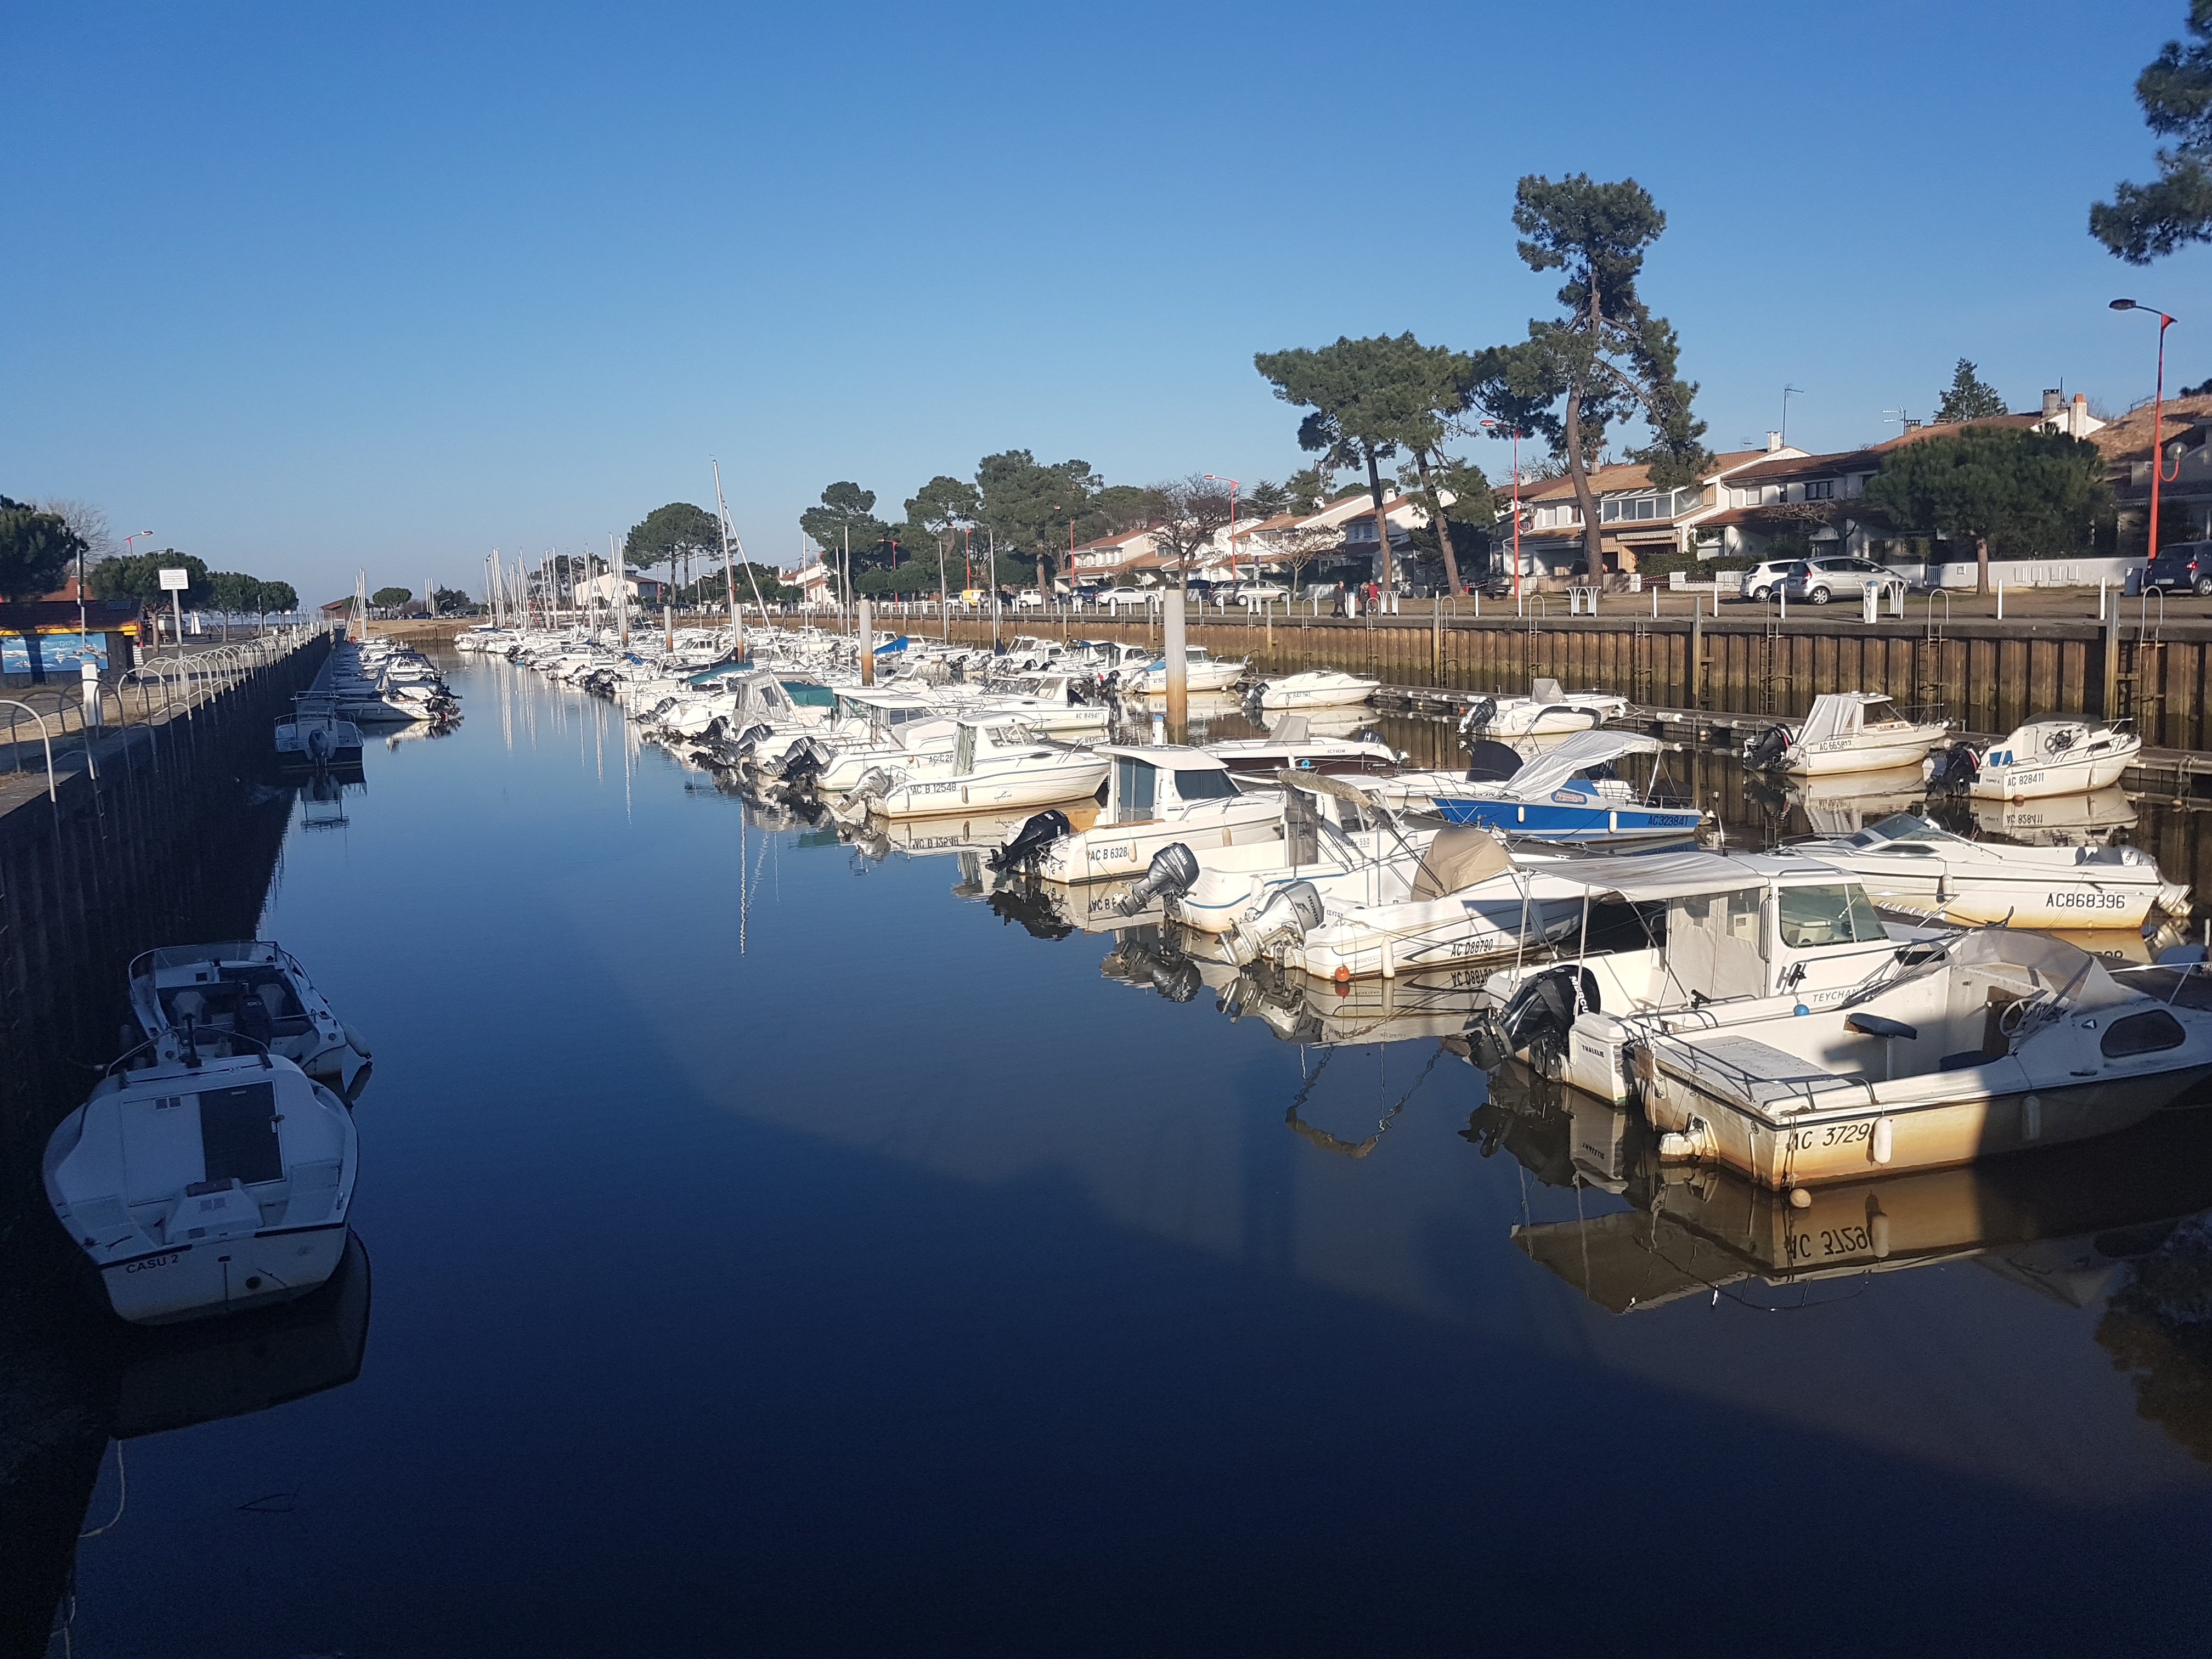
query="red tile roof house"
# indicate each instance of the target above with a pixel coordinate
(1810, 496)
(1634, 515)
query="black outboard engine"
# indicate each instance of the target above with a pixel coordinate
(1535, 1019)
(1489, 761)
(1169, 877)
(1765, 752)
(1479, 716)
(1957, 769)
(1038, 832)
(749, 740)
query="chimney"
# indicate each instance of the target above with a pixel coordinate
(2053, 402)
(2077, 416)
(1773, 442)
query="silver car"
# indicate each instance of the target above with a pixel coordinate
(1818, 581)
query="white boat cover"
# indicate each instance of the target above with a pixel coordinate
(1543, 690)
(2039, 965)
(1650, 877)
(1577, 754)
(1839, 714)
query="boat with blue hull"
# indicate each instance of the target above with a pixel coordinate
(1566, 794)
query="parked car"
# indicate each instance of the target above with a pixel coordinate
(1115, 597)
(1252, 594)
(1818, 581)
(1761, 580)
(2182, 566)
(1028, 598)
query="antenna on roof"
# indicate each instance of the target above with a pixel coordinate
(1905, 422)
(1786, 391)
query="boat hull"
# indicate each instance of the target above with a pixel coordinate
(993, 792)
(2051, 778)
(1557, 820)
(1863, 753)
(2027, 898)
(1839, 1143)
(226, 1276)
(1117, 852)
(1277, 696)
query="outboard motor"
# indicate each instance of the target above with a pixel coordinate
(1490, 761)
(1168, 878)
(1292, 912)
(319, 746)
(802, 762)
(1038, 831)
(749, 740)
(1536, 1019)
(1765, 752)
(1957, 769)
(1479, 716)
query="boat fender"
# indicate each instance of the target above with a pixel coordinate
(1800, 1199)
(1167, 877)
(1884, 1141)
(356, 1040)
(1877, 1226)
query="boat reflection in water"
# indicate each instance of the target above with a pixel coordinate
(70, 1383)
(2060, 1223)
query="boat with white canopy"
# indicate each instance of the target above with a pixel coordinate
(1661, 931)
(1996, 1041)
(995, 765)
(1565, 793)
(1846, 731)
(1156, 795)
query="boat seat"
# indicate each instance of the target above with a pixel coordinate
(1753, 1072)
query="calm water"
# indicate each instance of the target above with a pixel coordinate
(779, 1249)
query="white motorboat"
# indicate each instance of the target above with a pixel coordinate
(1846, 731)
(2044, 757)
(1912, 866)
(1318, 687)
(1290, 743)
(1156, 796)
(998, 765)
(1201, 671)
(314, 737)
(1466, 900)
(256, 988)
(1348, 846)
(204, 1176)
(1996, 1041)
(1546, 711)
(1663, 931)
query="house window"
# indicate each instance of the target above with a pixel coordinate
(1608, 511)
(1820, 489)
(1647, 507)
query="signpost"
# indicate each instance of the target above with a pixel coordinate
(174, 583)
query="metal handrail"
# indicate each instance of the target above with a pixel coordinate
(52, 794)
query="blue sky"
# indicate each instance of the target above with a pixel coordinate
(306, 288)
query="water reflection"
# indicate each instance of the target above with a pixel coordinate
(76, 1386)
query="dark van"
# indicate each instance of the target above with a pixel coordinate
(2181, 567)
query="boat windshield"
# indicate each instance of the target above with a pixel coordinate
(1842, 914)
(1204, 783)
(1898, 826)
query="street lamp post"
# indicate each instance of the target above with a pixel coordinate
(2157, 411)
(1516, 434)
